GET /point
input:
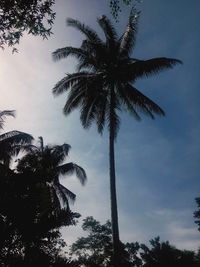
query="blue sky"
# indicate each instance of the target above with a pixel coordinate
(157, 162)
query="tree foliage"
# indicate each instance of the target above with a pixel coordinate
(31, 207)
(162, 254)
(47, 163)
(197, 213)
(34, 17)
(95, 250)
(115, 6)
(11, 142)
(29, 225)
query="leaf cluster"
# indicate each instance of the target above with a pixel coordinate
(115, 6)
(34, 17)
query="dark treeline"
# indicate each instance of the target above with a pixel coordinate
(95, 250)
(34, 205)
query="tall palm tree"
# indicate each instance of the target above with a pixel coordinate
(103, 86)
(13, 141)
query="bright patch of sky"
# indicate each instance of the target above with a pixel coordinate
(157, 162)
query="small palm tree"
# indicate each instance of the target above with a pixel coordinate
(11, 142)
(46, 164)
(103, 86)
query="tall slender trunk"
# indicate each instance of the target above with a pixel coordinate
(113, 194)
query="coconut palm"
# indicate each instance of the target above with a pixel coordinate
(46, 163)
(103, 86)
(11, 142)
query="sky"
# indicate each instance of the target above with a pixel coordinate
(157, 161)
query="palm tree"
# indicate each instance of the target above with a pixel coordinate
(11, 142)
(46, 165)
(44, 199)
(103, 86)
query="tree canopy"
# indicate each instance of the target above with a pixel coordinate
(34, 17)
(95, 249)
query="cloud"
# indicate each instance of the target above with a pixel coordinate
(177, 227)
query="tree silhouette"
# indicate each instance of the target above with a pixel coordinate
(115, 6)
(197, 213)
(16, 17)
(11, 142)
(46, 163)
(34, 205)
(162, 254)
(103, 86)
(95, 249)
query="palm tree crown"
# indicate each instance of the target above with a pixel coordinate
(106, 73)
(47, 164)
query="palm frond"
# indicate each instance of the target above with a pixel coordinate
(127, 101)
(127, 41)
(91, 101)
(99, 53)
(15, 137)
(61, 197)
(10, 144)
(85, 64)
(109, 31)
(72, 168)
(60, 151)
(66, 192)
(69, 51)
(5, 113)
(68, 81)
(143, 103)
(88, 59)
(87, 31)
(88, 111)
(57, 199)
(81, 90)
(28, 148)
(140, 68)
(74, 99)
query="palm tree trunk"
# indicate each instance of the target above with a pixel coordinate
(113, 194)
